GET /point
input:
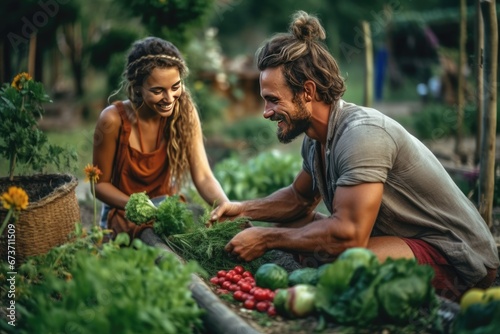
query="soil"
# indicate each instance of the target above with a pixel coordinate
(36, 186)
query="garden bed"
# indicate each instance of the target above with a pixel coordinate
(225, 315)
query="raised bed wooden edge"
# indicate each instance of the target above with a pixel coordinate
(218, 318)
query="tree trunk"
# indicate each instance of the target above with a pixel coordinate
(32, 56)
(487, 173)
(459, 150)
(73, 38)
(478, 66)
(368, 91)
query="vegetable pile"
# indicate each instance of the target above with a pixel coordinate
(355, 290)
(479, 311)
(244, 289)
(358, 290)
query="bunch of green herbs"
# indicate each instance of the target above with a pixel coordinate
(205, 245)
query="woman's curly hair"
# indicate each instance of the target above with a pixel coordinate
(303, 56)
(144, 56)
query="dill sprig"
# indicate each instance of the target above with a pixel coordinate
(205, 245)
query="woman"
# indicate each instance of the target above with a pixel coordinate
(153, 140)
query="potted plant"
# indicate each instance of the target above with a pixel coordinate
(53, 207)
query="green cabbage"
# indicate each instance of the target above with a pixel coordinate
(363, 293)
(139, 208)
(404, 288)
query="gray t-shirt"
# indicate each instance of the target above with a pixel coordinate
(420, 199)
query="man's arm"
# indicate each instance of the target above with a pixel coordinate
(355, 211)
(285, 205)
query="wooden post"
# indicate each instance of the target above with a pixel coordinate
(2, 62)
(478, 67)
(487, 162)
(459, 150)
(368, 91)
(32, 56)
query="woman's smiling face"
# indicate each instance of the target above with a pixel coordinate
(161, 90)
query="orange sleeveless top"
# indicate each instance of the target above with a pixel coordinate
(137, 171)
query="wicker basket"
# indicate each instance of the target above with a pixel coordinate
(46, 222)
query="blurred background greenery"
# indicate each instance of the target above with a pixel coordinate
(77, 49)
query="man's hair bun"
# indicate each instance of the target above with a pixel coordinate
(306, 28)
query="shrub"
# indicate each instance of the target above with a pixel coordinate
(259, 176)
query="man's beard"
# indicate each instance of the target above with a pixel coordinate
(297, 126)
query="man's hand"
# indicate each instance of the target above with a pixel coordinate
(248, 245)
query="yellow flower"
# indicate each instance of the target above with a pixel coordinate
(15, 198)
(92, 173)
(20, 79)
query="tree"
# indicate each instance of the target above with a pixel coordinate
(478, 65)
(459, 149)
(174, 20)
(487, 162)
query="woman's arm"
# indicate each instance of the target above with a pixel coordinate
(201, 173)
(106, 135)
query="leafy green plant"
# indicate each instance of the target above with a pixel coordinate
(82, 288)
(396, 292)
(437, 121)
(259, 176)
(21, 142)
(258, 133)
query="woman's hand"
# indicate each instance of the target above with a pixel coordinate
(226, 211)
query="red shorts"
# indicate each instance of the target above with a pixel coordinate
(446, 282)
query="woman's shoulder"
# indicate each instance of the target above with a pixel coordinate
(111, 114)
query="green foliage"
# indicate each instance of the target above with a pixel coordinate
(21, 142)
(124, 290)
(209, 105)
(436, 121)
(119, 40)
(397, 292)
(257, 132)
(174, 20)
(259, 176)
(173, 217)
(478, 319)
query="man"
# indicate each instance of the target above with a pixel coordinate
(384, 189)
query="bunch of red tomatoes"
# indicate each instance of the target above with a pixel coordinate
(241, 284)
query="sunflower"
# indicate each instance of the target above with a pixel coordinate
(20, 79)
(15, 198)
